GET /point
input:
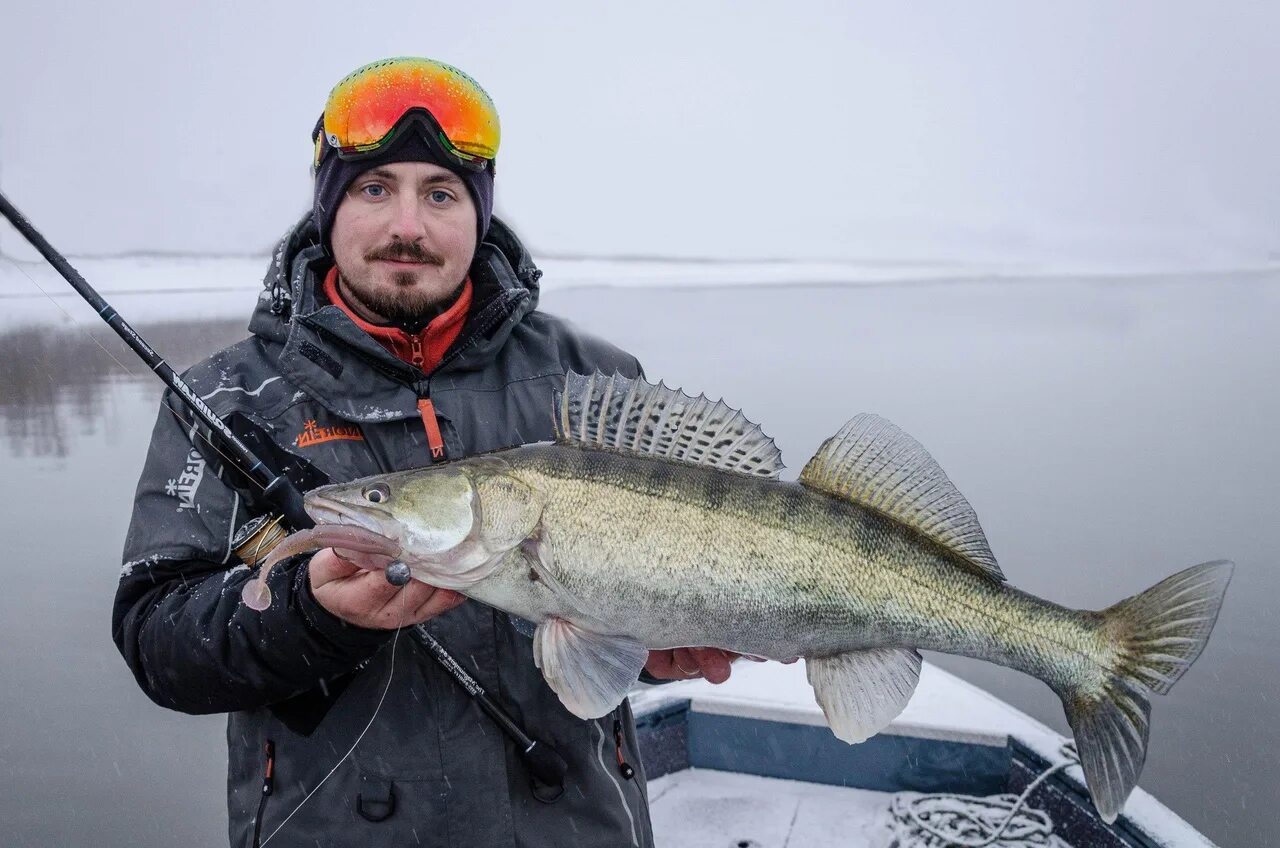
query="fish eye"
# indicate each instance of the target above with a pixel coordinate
(377, 493)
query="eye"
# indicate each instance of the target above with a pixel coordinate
(377, 493)
(441, 196)
(374, 190)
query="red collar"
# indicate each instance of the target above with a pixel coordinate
(424, 350)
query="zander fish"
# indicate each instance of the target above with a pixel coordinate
(657, 520)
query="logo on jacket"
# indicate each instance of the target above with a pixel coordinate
(184, 486)
(313, 434)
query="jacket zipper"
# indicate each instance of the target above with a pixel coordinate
(426, 409)
(268, 786)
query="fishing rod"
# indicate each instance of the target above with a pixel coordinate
(277, 489)
(545, 764)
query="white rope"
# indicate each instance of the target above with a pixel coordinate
(943, 820)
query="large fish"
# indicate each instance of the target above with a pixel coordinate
(657, 520)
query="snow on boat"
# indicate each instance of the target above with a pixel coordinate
(752, 764)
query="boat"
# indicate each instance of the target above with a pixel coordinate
(750, 763)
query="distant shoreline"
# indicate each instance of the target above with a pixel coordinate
(223, 287)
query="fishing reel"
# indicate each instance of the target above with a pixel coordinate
(255, 540)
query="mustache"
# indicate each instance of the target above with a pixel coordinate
(405, 251)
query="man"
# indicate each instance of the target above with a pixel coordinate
(397, 328)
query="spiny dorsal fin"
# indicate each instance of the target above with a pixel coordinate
(638, 417)
(874, 463)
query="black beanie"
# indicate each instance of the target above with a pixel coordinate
(335, 174)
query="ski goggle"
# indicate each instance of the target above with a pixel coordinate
(370, 107)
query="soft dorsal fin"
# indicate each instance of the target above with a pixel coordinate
(635, 416)
(873, 462)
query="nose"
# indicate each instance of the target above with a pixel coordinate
(407, 223)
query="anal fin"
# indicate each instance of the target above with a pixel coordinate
(862, 691)
(591, 672)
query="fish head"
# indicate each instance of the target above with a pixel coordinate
(434, 514)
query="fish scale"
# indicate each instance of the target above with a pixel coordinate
(820, 580)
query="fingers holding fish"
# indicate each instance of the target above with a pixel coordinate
(355, 590)
(661, 665)
(712, 664)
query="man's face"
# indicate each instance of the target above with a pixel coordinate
(403, 239)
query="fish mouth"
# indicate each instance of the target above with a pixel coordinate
(329, 511)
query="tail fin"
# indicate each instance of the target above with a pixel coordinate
(1160, 632)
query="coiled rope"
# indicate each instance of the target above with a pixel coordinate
(943, 820)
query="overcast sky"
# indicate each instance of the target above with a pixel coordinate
(1076, 132)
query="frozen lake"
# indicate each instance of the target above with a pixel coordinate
(1107, 431)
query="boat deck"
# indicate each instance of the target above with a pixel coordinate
(752, 764)
(704, 807)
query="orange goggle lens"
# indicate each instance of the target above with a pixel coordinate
(365, 108)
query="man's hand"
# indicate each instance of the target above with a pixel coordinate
(363, 597)
(712, 664)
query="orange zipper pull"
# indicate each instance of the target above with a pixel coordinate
(434, 440)
(269, 776)
(623, 766)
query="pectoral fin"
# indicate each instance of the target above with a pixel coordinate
(862, 691)
(590, 672)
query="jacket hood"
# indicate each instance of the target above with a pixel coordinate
(346, 369)
(298, 265)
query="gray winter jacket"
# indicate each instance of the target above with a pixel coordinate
(322, 401)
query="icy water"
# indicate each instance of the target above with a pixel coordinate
(1107, 432)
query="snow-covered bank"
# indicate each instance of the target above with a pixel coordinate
(32, 293)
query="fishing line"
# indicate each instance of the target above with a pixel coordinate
(68, 315)
(390, 673)
(191, 426)
(263, 536)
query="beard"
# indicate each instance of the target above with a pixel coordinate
(406, 307)
(401, 303)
